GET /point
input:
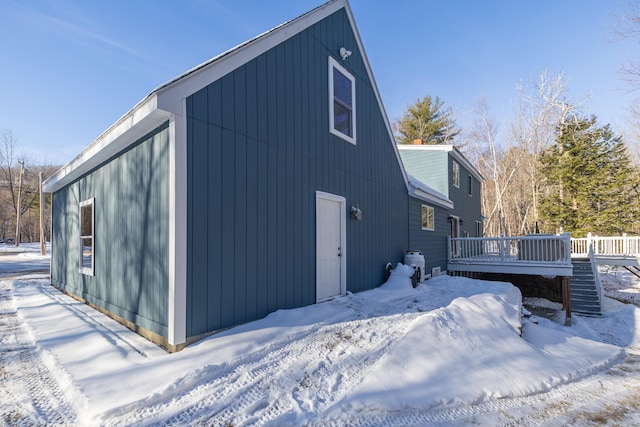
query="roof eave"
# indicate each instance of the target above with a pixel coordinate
(138, 122)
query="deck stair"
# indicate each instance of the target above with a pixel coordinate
(585, 292)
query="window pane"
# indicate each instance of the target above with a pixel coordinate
(341, 118)
(87, 253)
(86, 215)
(427, 218)
(342, 88)
(456, 174)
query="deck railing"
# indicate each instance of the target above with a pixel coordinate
(533, 249)
(619, 246)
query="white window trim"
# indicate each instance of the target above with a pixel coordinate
(433, 218)
(88, 270)
(335, 64)
(455, 174)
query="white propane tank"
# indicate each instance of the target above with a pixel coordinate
(415, 258)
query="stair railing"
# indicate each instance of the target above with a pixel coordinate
(596, 274)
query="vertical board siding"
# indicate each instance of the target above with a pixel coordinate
(268, 150)
(432, 244)
(130, 235)
(467, 208)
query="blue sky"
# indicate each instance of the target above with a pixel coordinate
(71, 68)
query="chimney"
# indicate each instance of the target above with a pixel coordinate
(417, 142)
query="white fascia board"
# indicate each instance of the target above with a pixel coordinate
(423, 192)
(171, 94)
(428, 197)
(138, 122)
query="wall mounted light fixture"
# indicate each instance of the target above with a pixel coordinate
(356, 213)
(344, 53)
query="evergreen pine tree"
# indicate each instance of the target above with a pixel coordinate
(591, 181)
(427, 120)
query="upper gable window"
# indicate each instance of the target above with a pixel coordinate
(456, 174)
(342, 102)
(470, 185)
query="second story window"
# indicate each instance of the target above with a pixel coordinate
(456, 174)
(342, 102)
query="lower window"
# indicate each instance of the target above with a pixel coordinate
(87, 243)
(427, 218)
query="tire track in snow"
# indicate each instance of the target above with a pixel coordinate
(586, 401)
(295, 379)
(29, 392)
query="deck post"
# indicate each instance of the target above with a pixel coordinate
(566, 299)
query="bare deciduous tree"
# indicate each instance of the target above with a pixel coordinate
(10, 170)
(629, 28)
(543, 105)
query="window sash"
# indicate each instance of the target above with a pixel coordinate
(342, 102)
(428, 219)
(87, 241)
(456, 174)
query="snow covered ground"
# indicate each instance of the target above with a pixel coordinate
(24, 258)
(454, 351)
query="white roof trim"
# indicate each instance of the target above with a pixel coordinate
(170, 94)
(422, 191)
(461, 158)
(138, 122)
(374, 85)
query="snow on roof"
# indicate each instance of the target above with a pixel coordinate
(422, 191)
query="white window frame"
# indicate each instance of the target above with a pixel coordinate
(456, 174)
(88, 270)
(333, 64)
(429, 209)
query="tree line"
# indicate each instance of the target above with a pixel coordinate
(19, 187)
(553, 170)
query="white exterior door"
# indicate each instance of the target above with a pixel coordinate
(330, 246)
(454, 222)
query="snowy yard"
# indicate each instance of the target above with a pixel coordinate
(454, 351)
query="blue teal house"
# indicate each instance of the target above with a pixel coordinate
(455, 208)
(265, 178)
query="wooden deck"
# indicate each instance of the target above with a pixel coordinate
(549, 255)
(541, 254)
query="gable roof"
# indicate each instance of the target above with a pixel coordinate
(168, 99)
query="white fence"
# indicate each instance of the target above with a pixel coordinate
(533, 249)
(619, 246)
